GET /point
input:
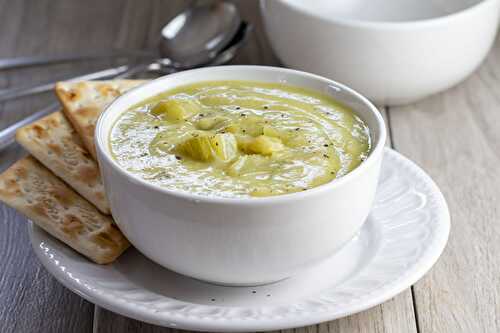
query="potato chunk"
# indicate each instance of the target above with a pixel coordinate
(175, 110)
(263, 145)
(292, 139)
(271, 131)
(209, 123)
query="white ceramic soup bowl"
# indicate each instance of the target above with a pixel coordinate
(392, 51)
(245, 241)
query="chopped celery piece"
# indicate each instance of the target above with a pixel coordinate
(224, 146)
(209, 147)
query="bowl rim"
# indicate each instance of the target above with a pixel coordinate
(384, 25)
(104, 156)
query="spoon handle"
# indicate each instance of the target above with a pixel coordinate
(15, 93)
(134, 70)
(7, 135)
(31, 61)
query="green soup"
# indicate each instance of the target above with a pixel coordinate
(239, 139)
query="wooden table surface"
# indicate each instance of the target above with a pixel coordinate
(454, 136)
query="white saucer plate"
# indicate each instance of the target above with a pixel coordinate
(401, 240)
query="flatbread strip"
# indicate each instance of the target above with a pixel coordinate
(45, 199)
(54, 142)
(85, 100)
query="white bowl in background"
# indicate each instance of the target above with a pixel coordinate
(240, 241)
(392, 51)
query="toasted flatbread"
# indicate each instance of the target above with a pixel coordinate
(54, 142)
(84, 101)
(36, 192)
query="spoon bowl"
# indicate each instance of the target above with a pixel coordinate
(164, 65)
(198, 34)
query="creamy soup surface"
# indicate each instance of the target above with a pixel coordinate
(239, 139)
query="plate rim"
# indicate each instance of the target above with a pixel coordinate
(200, 323)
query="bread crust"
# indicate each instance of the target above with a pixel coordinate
(36, 192)
(84, 101)
(53, 141)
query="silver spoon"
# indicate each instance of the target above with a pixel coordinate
(7, 134)
(164, 66)
(43, 60)
(197, 35)
(191, 39)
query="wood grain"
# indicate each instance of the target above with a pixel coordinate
(31, 300)
(455, 137)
